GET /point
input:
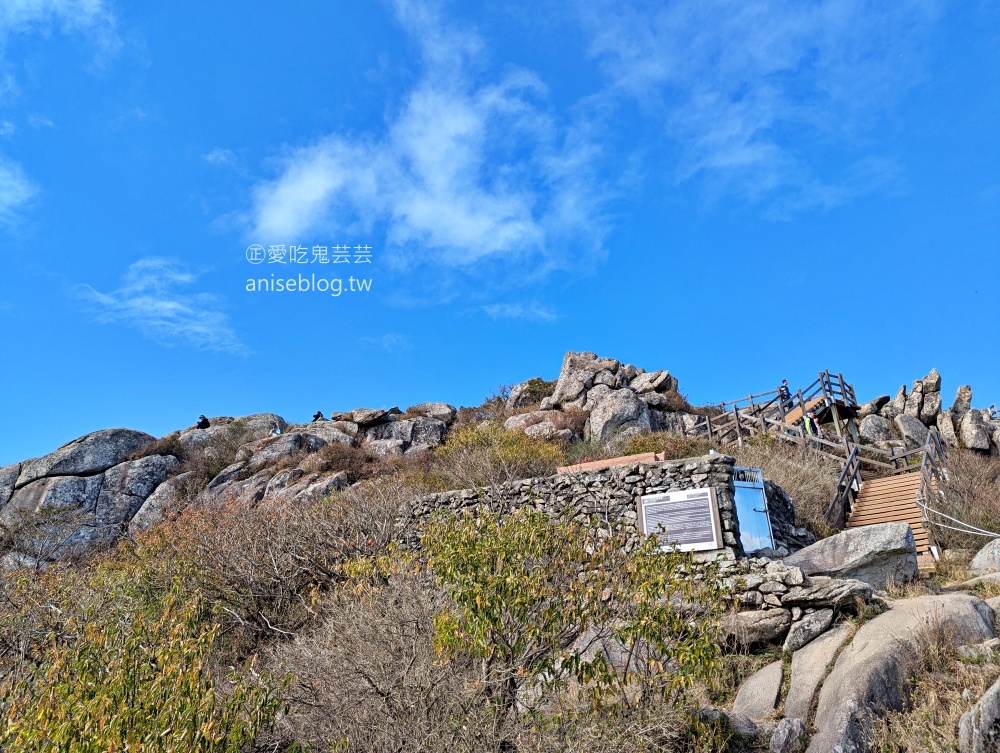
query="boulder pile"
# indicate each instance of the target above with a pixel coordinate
(904, 420)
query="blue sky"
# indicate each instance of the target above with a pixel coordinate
(736, 191)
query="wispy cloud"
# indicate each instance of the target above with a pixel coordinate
(768, 100)
(530, 312)
(15, 191)
(466, 171)
(153, 298)
(221, 158)
(393, 342)
(91, 17)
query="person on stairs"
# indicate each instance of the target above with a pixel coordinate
(785, 396)
(812, 427)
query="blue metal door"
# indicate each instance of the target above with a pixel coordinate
(751, 509)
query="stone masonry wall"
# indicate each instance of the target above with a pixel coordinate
(610, 494)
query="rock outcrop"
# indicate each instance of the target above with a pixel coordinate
(875, 554)
(871, 672)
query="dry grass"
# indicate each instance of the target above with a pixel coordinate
(806, 477)
(971, 494)
(936, 702)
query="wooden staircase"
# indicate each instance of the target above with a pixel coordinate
(894, 499)
(795, 415)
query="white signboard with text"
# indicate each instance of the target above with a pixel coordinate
(688, 519)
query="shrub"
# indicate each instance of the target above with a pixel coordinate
(358, 462)
(672, 446)
(168, 445)
(537, 389)
(536, 600)
(971, 494)
(206, 460)
(136, 681)
(265, 568)
(367, 678)
(487, 454)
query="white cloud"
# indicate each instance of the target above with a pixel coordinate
(221, 158)
(91, 17)
(15, 190)
(531, 312)
(152, 300)
(465, 171)
(767, 99)
(393, 342)
(37, 16)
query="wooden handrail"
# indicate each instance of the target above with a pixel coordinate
(847, 486)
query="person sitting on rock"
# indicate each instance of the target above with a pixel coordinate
(319, 416)
(203, 423)
(275, 430)
(993, 412)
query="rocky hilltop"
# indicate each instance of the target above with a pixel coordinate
(117, 481)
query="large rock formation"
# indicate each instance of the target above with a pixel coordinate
(875, 554)
(90, 454)
(620, 411)
(871, 673)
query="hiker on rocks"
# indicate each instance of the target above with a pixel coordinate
(275, 430)
(993, 411)
(319, 416)
(203, 423)
(812, 427)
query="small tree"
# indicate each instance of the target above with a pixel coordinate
(542, 602)
(135, 681)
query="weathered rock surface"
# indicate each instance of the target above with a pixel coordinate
(809, 665)
(328, 431)
(297, 488)
(620, 411)
(654, 381)
(267, 452)
(875, 428)
(8, 477)
(987, 559)
(979, 727)
(440, 411)
(751, 628)
(88, 455)
(169, 495)
(930, 408)
(932, 382)
(872, 407)
(811, 626)
(788, 737)
(871, 673)
(874, 554)
(834, 593)
(368, 416)
(577, 376)
(522, 421)
(913, 430)
(972, 431)
(386, 447)
(915, 400)
(759, 693)
(962, 404)
(946, 428)
(66, 492)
